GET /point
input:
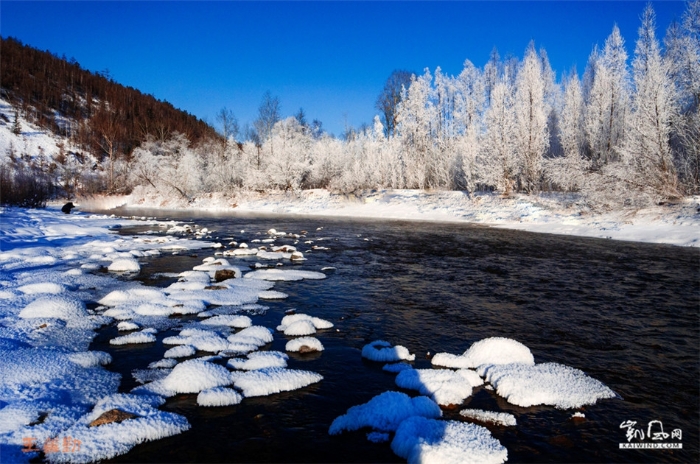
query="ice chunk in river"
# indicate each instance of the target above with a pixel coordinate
(498, 418)
(285, 275)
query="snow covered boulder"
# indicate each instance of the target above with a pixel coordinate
(124, 265)
(284, 275)
(427, 440)
(260, 360)
(445, 386)
(302, 324)
(190, 376)
(384, 412)
(219, 396)
(494, 350)
(304, 345)
(268, 381)
(62, 307)
(549, 383)
(382, 351)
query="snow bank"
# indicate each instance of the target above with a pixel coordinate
(260, 360)
(384, 412)
(382, 351)
(265, 382)
(497, 418)
(427, 440)
(304, 344)
(284, 275)
(549, 383)
(219, 396)
(495, 350)
(445, 386)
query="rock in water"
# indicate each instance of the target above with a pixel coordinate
(224, 274)
(113, 415)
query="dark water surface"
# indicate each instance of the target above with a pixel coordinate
(627, 314)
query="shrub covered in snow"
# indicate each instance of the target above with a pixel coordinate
(382, 351)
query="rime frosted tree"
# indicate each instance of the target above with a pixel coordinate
(647, 150)
(498, 162)
(608, 101)
(531, 112)
(567, 171)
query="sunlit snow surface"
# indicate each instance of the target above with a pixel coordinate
(494, 350)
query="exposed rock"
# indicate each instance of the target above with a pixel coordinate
(113, 415)
(214, 287)
(306, 349)
(224, 274)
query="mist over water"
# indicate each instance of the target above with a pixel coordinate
(624, 313)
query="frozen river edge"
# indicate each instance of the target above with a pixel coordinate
(674, 223)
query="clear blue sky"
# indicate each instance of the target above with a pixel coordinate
(331, 58)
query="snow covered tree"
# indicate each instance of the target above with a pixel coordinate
(388, 101)
(16, 127)
(531, 112)
(568, 171)
(608, 101)
(498, 162)
(290, 166)
(647, 149)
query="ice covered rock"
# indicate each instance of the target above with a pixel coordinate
(551, 384)
(219, 396)
(385, 412)
(268, 381)
(427, 440)
(494, 350)
(304, 345)
(272, 295)
(382, 351)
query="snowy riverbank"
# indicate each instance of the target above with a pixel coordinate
(675, 223)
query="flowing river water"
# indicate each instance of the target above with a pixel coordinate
(625, 313)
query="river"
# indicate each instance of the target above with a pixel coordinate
(625, 313)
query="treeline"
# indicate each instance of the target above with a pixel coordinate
(91, 110)
(619, 134)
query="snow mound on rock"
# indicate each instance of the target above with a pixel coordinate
(498, 418)
(62, 307)
(90, 358)
(265, 382)
(311, 343)
(382, 351)
(219, 396)
(190, 376)
(444, 386)
(384, 412)
(42, 287)
(135, 338)
(181, 351)
(124, 265)
(284, 275)
(260, 360)
(237, 321)
(316, 322)
(494, 350)
(551, 384)
(427, 440)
